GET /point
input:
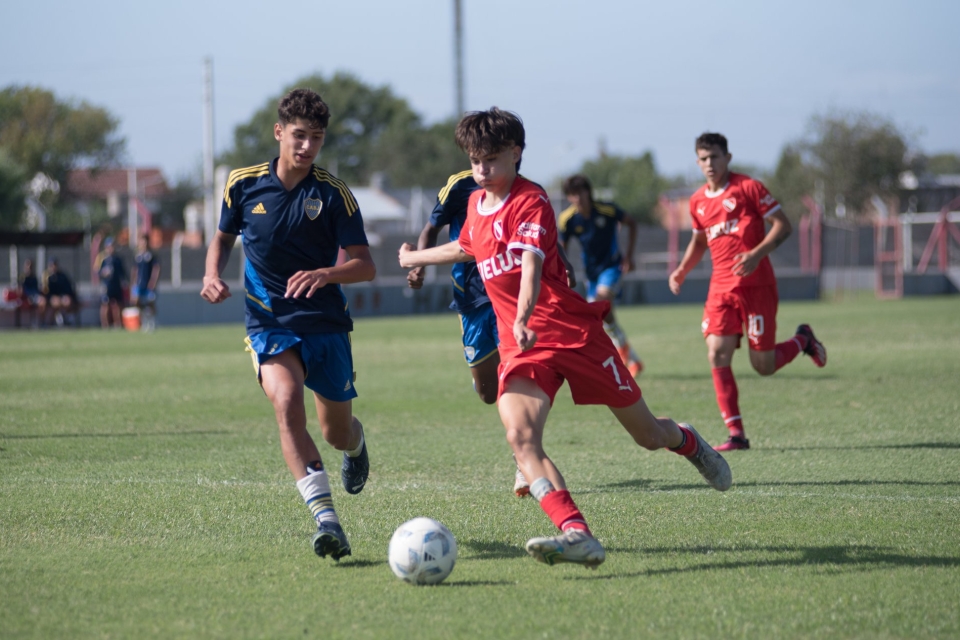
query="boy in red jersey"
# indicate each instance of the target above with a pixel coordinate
(730, 213)
(548, 332)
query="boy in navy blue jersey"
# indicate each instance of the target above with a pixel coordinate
(294, 218)
(596, 225)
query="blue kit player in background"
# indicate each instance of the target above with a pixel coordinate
(294, 218)
(146, 274)
(596, 225)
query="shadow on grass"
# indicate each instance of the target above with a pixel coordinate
(855, 557)
(479, 583)
(116, 435)
(353, 564)
(486, 550)
(907, 445)
(640, 483)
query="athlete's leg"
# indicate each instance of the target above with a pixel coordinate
(340, 428)
(523, 410)
(720, 350)
(485, 379)
(646, 430)
(765, 362)
(617, 334)
(282, 380)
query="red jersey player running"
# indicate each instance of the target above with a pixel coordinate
(730, 214)
(548, 332)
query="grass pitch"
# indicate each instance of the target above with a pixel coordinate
(142, 492)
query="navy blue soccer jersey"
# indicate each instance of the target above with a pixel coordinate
(451, 209)
(597, 234)
(289, 231)
(145, 262)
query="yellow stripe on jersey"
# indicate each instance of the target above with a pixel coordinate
(348, 200)
(565, 216)
(253, 355)
(451, 181)
(240, 174)
(605, 209)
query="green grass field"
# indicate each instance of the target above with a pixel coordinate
(142, 491)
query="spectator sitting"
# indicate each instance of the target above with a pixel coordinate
(31, 298)
(61, 298)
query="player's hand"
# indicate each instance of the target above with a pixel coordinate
(415, 278)
(306, 283)
(627, 265)
(214, 289)
(405, 250)
(571, 279)
(676, 281)
(525, 336)
(745, 263)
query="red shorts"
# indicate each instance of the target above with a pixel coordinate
(727, 313)
(595, 372)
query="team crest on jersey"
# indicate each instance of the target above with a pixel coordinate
(311, 207)
(498, 229)
(729, 204)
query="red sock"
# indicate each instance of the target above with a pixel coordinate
(787, 351)
(728, 399)
(689, 446)
(560, 508)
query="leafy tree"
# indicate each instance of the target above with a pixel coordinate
(791, 181)
(371, 130)
(856, 155)
(12, 179)
(633, 182)
(44, 134)
(942, 163)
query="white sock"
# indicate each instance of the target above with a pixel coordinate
(353, 453)
(541, 487)
(315, 489)
(616, 334)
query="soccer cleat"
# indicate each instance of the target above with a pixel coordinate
(709, 463)
(733, 443)
(520, 485)
(574, 546)
(354, 471)
(330, 540)
(635, 367)
(815, 348)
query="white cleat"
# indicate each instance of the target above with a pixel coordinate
(709, 463)
(575, 546)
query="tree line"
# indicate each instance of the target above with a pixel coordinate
(851, 156)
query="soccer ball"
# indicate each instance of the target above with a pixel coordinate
(422, 551)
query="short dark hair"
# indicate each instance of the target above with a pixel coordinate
(577, 184)
(304, 104)
(491, 131)
(707, 140)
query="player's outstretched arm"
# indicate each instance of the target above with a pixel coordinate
(359, 267)
(449, 253)
(531, 268)
(427, 239)
(214, 289)
(691, 257)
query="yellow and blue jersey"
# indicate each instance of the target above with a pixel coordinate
(289, 231)
(451, 209)
(597, 234)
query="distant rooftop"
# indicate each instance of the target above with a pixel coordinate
(85, 183)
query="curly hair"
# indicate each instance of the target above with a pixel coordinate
(304, 104)
(491, 131)
(577, 184)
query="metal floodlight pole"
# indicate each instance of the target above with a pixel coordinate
(458, 54)
(209, 220)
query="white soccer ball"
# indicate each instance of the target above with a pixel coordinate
(422, 551)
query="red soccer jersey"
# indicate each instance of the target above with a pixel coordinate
(497, 238)
(733, 219)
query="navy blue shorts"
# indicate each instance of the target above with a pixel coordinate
(480, 338)
(327, 359)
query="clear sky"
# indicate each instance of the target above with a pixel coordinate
(638, 75)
